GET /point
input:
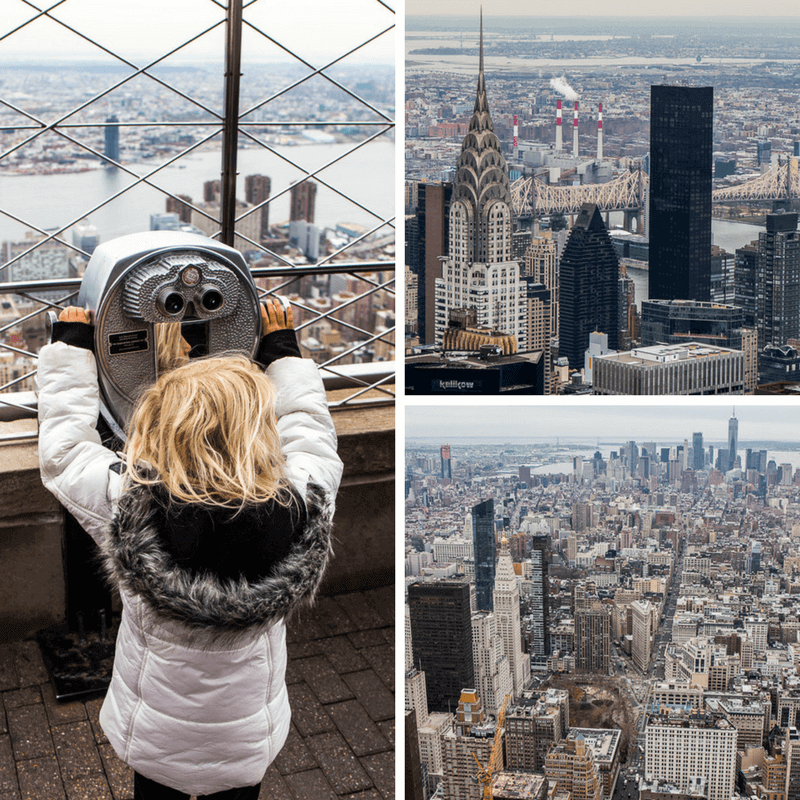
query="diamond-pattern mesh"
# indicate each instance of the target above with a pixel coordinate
(140, 91)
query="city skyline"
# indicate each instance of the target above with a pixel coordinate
(659, 421)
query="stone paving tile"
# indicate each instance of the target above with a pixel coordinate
(332, 617)
(30, 733)
(381, 659)
(388, 730)
(381, 769)
(304, 628)
(313, 647)
(372, 794)
(93, 712)
(3, 724)
(39, 779)
(8, 772)
(76, 750)
(372, 693)
(22, 697)
(294, 674)
(383, 600)
(273, 785)
(9, 796)
(361, 639)
(88, 787)
(118, 774)
(8, 668)
(310, 785)
(295, 756)
(29, 664)
(364, 613)
(323, 680)
(307, 713)
(340, 652)
(361, 733)
(337, 761)
(59, 713)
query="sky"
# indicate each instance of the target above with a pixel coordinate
(670, 419)
(604, 8)
(318, 30)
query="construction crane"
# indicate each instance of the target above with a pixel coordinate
(487, 774)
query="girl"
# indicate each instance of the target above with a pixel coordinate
(214, 526)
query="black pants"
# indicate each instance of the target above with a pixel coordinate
(145, 789)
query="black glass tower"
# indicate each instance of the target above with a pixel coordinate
(589, 287)
(112, 139)
(484, 551)
(441, 639)
(681, 127)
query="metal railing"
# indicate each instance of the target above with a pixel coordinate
(361, 263)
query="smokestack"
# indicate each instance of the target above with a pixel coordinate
(558, 126)
(600, 132)
(516, 135)
(575, 133)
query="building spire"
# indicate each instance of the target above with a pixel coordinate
(480, 114)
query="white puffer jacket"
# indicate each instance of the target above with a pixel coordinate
(194, 704)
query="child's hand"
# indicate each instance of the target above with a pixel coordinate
(75, 314)
(274, 317)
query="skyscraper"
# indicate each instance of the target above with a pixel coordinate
(778, 281)
(698, 452)
(484, 549)
(592, 638)
(589, 287)
(112, 139)
(441, 639)
(256, 191)
(540, 593)
(302, 201)
(479, 271)
(447, 471)
(733, 439)
(506, 609)
(681, 126)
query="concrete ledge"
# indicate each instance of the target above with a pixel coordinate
(33, 590)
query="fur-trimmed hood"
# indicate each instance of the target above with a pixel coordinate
(136, 560)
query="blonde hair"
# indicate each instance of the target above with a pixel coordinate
(169, 352)
(208, 432)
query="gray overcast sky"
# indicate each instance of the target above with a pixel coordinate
(677, 421)
(318, 30)
(604, 8)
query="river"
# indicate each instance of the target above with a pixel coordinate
(51, 201)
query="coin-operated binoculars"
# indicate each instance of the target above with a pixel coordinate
(137, 282)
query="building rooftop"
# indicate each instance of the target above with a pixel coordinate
(666, 353)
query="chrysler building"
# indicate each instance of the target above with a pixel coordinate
(479, 272)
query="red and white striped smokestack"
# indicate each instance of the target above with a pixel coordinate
(559, 144)
(600, 132)
(516, 133)
(575, 133)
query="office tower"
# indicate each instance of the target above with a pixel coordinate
(589, 285)
(733, 440)
(540, 590)
(414, 778)
(506, 609)
(744, 282)
(256, 191)
(470, 734)
(538, 304)
(181, 205)
(570, 764)
(484, 549)
(492, 669)
(643, 625)
(723, 267)
(681, 125)
(698, 452)
(541, 264)
(432, 226)
(778, 281)
(111, 150)
(479, 272)
(85, 236)
(593, 638)
(707, 748)
(679, 321)
(441, 639)
(764, 154)
(447, 471)
(754, 558)
(791, 750)
(302, 201)
(532, 725)
(412, 302)
(211, 191)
